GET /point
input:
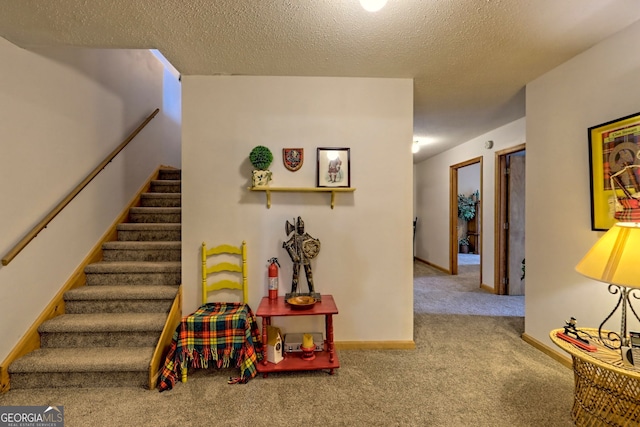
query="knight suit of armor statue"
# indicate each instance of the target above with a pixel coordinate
(301, 248)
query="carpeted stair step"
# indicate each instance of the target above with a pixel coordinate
(170, 174)
(133, 273)
(166, 200)
(149, 232)
(165, 186)
(142, 251)
(155, 215)
(102, 330)
(119, 299)
(86, 367)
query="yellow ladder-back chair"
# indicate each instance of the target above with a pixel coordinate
(217, 345)
(224, 334)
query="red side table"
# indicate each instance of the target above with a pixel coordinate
(326, 359)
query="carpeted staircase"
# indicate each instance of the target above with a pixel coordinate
(111, 326)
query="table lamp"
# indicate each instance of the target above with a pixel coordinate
(615, 259)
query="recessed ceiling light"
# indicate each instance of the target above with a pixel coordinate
(373, 5)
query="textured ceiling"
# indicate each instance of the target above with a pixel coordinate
(470, 59)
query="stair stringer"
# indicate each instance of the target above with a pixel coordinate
(162, 348)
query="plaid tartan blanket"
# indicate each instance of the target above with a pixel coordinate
(226, 334)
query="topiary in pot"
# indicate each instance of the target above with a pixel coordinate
(464, 245)
(261, 157)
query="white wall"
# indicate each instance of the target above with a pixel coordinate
(63, 111)
(600, 85)
(365, 258)
(432, 196)
(469, 179)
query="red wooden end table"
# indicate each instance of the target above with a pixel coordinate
(325, 359)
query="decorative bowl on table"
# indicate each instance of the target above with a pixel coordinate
(301, 302)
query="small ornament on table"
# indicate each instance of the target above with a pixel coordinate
(575, 336)
(274, 345)
(308, 347)
(302, 248)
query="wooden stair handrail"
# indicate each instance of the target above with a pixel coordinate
(55, 211)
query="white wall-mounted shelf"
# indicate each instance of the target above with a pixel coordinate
(332, 190)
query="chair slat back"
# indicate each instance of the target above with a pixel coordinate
(211, 266)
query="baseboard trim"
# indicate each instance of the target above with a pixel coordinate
(487, 288)
(375, 345)
(437, 267)
(547, 350)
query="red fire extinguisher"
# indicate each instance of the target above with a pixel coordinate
(273, 278)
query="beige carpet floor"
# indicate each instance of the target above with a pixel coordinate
(436, 292)
(466, 370)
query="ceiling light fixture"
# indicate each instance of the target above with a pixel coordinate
(373, 5)
(415, 147)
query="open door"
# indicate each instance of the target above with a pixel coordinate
(510, 221)
(476, 228)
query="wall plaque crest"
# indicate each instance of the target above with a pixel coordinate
(293, 158)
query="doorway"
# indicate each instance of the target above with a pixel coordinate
(465, 179)
(510, 221)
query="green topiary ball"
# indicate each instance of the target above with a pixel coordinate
(261, 157)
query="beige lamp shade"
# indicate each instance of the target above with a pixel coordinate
(615, 258)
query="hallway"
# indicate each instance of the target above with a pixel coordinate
(436, 292)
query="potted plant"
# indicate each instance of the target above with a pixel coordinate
(466, 207)
(463, 244)
(261, 158)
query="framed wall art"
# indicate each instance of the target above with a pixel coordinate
(334, 167)
(612, 146)
(293, 158)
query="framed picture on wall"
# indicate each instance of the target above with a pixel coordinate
(612, 146)
(293, 158)
(334, 167)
